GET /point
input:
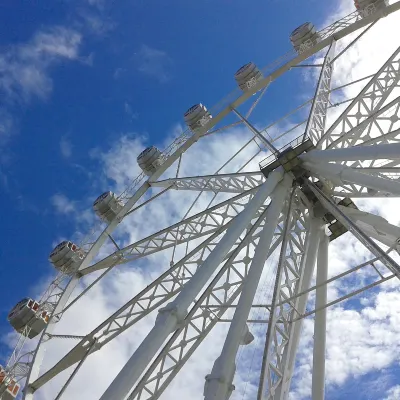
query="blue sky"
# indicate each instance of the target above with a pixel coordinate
(76, 76)
(137, 73)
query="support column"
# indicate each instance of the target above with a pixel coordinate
(376, 152)
(175, 312)
(218, 384)
(318, 377)
(374, 226)
(300, 305)
(338, 173)
(317, 120)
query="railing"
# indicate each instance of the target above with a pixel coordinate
(271, 158)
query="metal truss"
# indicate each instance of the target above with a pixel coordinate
(380, 128)
(330, 206)
(214, 220)
(316, 122)
(357, 191)
(152, 297)
(199, 225)
(208, 310)
(347, 130)
(166, 286)
(18, 363)
(227, 183)
(372, 275)
(288, 281)
(338, 30)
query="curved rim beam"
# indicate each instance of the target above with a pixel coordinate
(225, 183)
(336, 29)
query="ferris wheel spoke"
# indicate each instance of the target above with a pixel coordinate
(380, 128)
(369, 100)
(388, 261)
(226, 183)
(339, 174)
(316, 122)
(306, 104)
(294, 270)
(374, 226)
(249, 112)
(256, 133)
(359, 192)
(339, 29)
(152, 297)
(389, 170)
(204, 315)
(358, 153)
(199, 225)
(176, 311)
(219, 383)
(369, 122)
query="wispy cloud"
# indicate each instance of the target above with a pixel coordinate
(62, 204)
(393, 393)
(128, 110)
(24, 68)
(154, 63)
(65, 147)
(6, 127)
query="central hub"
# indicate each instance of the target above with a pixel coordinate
(336, 227)
(288, 158)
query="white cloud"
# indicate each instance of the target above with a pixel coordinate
(62, 204)
(128, 110)
(154, 63)
(359, 341)
(393, 393)
(65, 147)
(24, 68)
(6, 128)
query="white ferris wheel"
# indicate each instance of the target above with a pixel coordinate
(263, 230)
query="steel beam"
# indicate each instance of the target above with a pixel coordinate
(219, 383)
(317, 119)
(175, 312)
(224, 183)
(370, 99)
(318, 374)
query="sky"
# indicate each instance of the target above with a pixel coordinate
(85, 86)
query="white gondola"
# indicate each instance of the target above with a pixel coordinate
(107, 206)
(196, 117)
(304, 37)
(248, 76)
(9, 388)
(368, 7)
(27, 318)
(66, 257)
(149, 160)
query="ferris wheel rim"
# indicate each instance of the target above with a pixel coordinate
(146, 186)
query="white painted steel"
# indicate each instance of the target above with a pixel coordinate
(219, 382)
(203, 316)
(341, 133)
(222, 183)
(340, 173)
(376, 152)
(374, 225)
(170, 316)
(318, 372)
(257, 133)
(58, 293)
(294, 329)
(316, 122)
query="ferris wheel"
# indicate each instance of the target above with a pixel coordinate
(258, 238)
